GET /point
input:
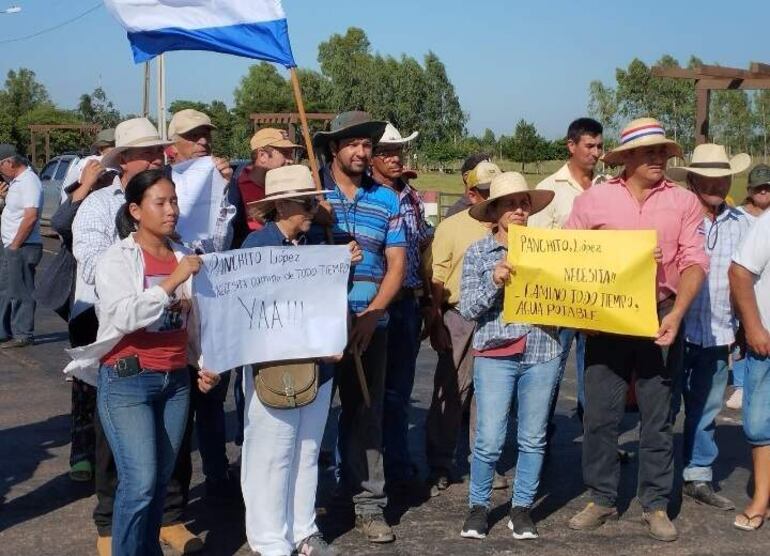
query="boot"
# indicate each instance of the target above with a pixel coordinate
(178, 537)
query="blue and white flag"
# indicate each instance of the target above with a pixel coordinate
(249, 28)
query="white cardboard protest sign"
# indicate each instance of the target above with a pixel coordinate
(199, 190)
(272, 304)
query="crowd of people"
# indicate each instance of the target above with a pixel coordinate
(139, 390)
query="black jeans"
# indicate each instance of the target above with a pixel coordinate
(611, 362)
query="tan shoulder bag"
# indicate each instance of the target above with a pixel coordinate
(286, 384)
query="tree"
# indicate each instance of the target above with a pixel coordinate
(525, 145)
(761, 113)
(603, 105)
(98, 109)
(262, 89)
(731, 120)
(61, 140)
(21, 94)
(346, 61)
(443, 117)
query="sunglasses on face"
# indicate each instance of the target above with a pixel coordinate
(309, 204)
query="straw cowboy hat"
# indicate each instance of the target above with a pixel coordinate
(643, 132)
(136, 133)
(347, 125)
(391, 136)
(506, 185)
(287, 182)
(710, 160)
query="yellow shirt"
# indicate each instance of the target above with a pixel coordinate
(566, 190)
(450, 242)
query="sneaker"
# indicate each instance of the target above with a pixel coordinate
(315, 545)
(591, 517)
(521, 524)
(476, 525)
(374, 528)
(703, 493)
(16, 343)
(735, 401)
(659, 526)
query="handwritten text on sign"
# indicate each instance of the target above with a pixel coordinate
(594, 280)
(271, 304)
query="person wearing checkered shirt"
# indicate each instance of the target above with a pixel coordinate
(710, 323)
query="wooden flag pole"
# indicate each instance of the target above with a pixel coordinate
(305, 129)
(317, 179)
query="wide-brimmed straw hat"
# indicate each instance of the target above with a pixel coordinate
(136, 133)
(287, 182)
(711, 161)
(350, 124)
(506, 185)
(642, 132)
(392, 136)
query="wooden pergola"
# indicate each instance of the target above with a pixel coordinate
(46, 129)
(716, 78)
(289, 120)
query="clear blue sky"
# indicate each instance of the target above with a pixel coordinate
(507, 59)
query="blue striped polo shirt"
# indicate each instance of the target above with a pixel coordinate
(373, 219)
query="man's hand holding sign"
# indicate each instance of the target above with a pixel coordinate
(581, 279)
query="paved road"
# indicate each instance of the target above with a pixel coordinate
(44, 513)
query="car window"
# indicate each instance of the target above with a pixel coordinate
(61, 171)
(49, 170)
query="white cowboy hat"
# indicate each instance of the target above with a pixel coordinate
(642, 132)
(391, 136)
(286, 182)
(505, 185)
(710, 160)
(136, 133)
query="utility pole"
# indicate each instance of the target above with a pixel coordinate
(146, 91)
(162, 96)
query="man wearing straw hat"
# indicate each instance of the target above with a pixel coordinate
(368, 213)
(641, 198)
(405, 310)
(710, 324)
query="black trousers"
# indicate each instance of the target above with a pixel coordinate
(611, 362)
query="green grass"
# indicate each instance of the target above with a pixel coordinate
(453, 183)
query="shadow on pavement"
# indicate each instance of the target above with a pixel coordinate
(27, 446)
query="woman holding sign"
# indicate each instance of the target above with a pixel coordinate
(513, 361)
(147, 332)
(282, 436)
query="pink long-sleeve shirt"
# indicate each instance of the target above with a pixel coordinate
(672, 211)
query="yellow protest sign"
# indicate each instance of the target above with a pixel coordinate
(588, 279)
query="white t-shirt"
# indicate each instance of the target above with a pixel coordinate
(25, 191)
(754, 255)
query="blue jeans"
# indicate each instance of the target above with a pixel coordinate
(497, 382)
(702, 385)
(17, 284)
(403, 346)
(756, 400)
(739, 371)
(144, 418)
(566, 336)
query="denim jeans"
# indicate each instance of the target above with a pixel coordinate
(739, 371)
(702, 386)
(497, 382)
(17, 284)
(144, 419)
(756, 400)
(403, 346)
